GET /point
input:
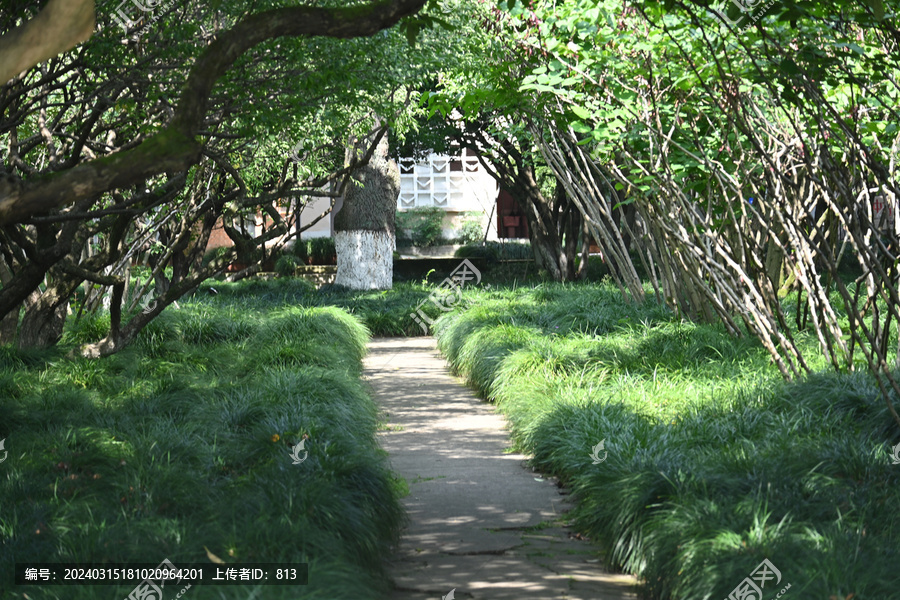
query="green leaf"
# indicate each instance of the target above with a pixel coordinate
(412, 32)
(579, 127)
(581, 112)
(877, 7)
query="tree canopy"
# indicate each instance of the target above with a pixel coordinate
(139, 140)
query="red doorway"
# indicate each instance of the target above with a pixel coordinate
(511, 221)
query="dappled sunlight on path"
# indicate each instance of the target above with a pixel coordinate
(481, 522)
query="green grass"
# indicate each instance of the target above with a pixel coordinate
(385, 313)
(714, 463)
(170, 446)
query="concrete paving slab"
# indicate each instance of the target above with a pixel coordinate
(481, 521)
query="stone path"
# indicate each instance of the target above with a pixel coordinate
(482, 522)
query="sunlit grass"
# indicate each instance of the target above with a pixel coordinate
(713, 462)
(183, 441)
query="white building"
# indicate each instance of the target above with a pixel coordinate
(457, 184)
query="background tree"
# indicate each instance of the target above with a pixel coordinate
(474, 102)
(509, 156)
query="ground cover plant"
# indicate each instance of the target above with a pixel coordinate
(710, 461)
(182, 442)
(385, 313)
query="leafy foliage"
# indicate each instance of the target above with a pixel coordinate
(423, 226)
(741, 142)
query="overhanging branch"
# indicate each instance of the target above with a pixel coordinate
(175, 148)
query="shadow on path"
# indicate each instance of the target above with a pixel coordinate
(481, 522)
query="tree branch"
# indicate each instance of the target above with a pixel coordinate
(60, 26)
(175, 148)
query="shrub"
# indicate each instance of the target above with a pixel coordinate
(489, 251)
(300, 249)
(496, 251)
(385, 312)
(91, 327)
(322, 250)
(471, 231)
(183, 440)
(421, 227)
(711, 461)
(285, 265)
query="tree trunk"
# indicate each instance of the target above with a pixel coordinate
(365, 259)
(10, 322)
(364, 224)
(629, 217)
(569, 223)
(547, 256)
(44, 320)
(553, 226)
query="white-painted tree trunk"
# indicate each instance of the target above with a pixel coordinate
(365, 259)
